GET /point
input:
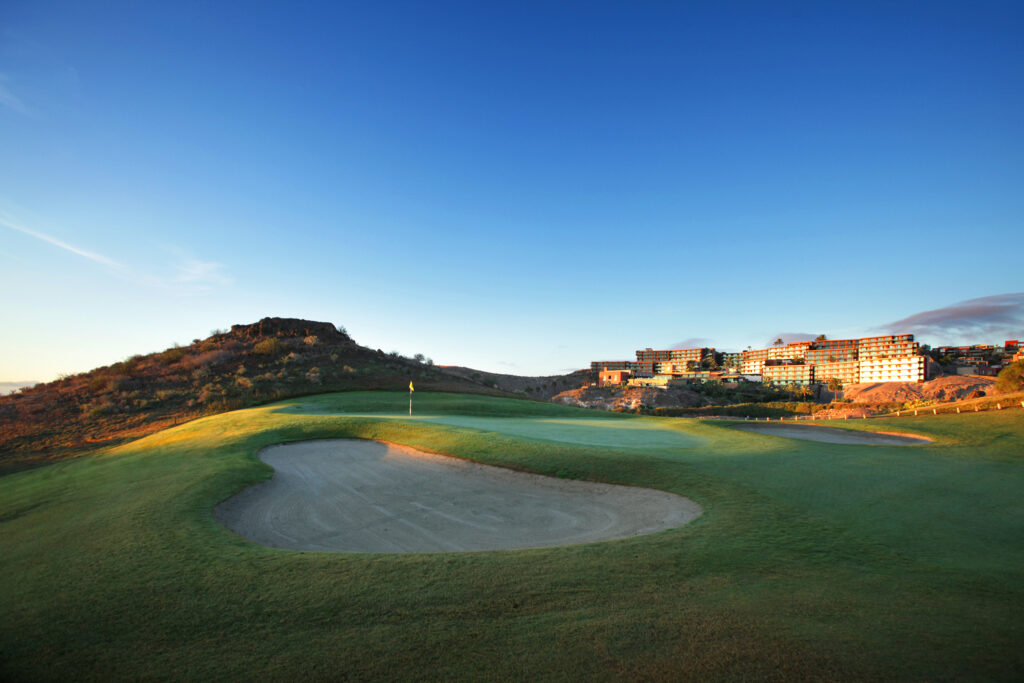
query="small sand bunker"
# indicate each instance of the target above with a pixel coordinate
(352, 495)
(833, 435)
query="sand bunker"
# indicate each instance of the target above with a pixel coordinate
(353, 495)
(833, 435)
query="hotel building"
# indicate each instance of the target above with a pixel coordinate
(885, 358)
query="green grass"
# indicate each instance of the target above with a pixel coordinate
(811, 560)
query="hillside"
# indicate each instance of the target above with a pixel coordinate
(541, 387)
(948, 388)
(630, 398)
(269, 360)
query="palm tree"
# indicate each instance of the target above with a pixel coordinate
(778, 342)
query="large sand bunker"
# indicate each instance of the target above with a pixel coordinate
(353, 495)
(833, 435)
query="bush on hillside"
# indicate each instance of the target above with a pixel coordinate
(171, 356)
(269, 347)
(1011, 378)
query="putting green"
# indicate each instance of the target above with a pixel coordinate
(630, 434)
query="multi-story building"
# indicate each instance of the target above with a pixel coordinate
(791, 351)
(788, 373)
(837, 354)
(845, 371)
(733, 361)
(753, 361)
(598, 365)
(892, 369)
(676, 367)
(650, 355)
(674, 355)
(889, 346)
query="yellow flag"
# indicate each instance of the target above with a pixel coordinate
(410, 387)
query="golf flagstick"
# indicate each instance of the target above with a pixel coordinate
(410, 398)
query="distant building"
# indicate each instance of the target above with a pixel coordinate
(613, 377)
(883, 358)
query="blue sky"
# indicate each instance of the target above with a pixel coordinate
(518, 187)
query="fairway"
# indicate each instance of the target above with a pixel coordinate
(810, 560)
(366, 496)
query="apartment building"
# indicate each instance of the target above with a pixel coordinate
(753, 361)
(893, 369)
(598, 366)
(674, 355)
(791, 351)
(846, 371)
(788, 373)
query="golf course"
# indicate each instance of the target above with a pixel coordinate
(893, 558)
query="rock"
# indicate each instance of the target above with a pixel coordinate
(288, 327)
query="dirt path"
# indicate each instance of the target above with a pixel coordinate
(833, 435)
(353, 495)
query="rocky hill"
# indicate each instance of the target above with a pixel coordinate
(269, 360)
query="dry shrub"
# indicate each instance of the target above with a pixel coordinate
(268, 347)
(208, 359)
(311, 340)
(171, 356)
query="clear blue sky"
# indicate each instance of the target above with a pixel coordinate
(519, 187)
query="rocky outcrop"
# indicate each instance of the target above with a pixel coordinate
(288, 327)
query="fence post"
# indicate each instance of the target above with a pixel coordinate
(935, 411)
(999, 406)
(915, 412)
(897, 413)
(958, 410)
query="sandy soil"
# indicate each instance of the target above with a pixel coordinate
(949, 388)
(353, 495)
(833, 435)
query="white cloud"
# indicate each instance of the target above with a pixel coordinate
(190, 275)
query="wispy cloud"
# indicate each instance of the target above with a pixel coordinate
(85, 253)
(691, 343)
(189, 275)
(198, 275)
(977, 319)
(9, 99)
